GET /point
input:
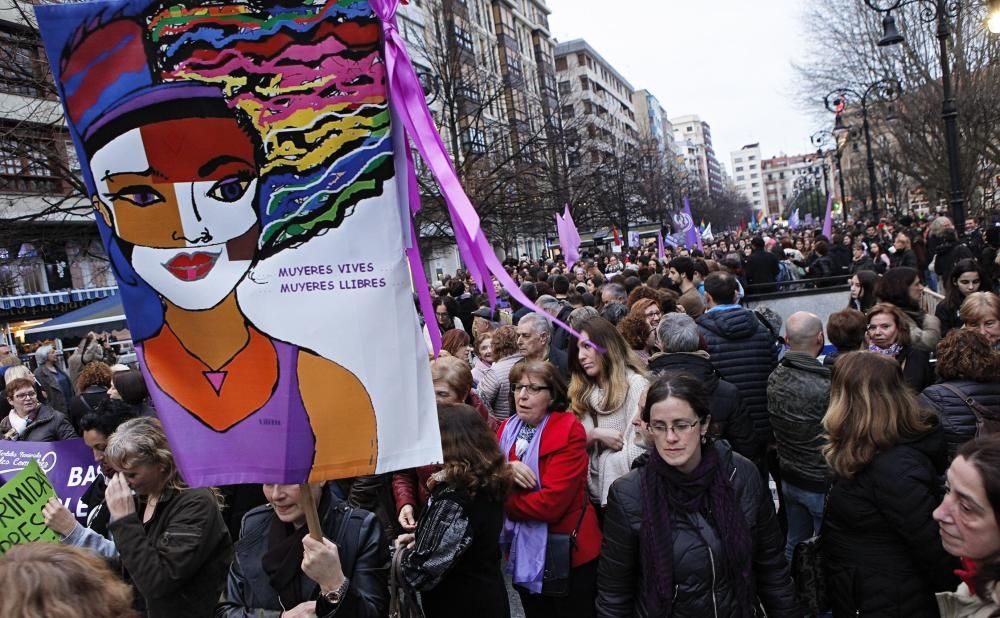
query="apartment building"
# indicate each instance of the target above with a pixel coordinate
(51, 259)
(747, 179)
(694, 138)
(596, 101)
(653, 123)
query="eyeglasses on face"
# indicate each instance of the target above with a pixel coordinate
(680, 427)
(25, 396)
(533, 389)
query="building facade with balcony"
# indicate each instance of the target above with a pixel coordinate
(694, 137)
(596, 101)
(747, 179)
(51, 258)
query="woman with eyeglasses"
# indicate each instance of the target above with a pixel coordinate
(546, 450)
(607, 379)
(693, 531)
(32, 421)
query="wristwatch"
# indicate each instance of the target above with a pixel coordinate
(334, 597)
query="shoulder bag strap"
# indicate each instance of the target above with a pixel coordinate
(977, 408)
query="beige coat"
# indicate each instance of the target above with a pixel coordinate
(961, 604)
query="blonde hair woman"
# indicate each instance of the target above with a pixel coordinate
(880, 542)
(171, 539)
(607, 379)
(979, 311)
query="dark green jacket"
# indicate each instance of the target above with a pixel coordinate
(798, 394)
(177, 561)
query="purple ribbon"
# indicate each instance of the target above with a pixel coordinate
(661, 250)
(406, 95)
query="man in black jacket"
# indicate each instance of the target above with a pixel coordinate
(798, 394)
(741, 348)
(762, 266)
(680, 340)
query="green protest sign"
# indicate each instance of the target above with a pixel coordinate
(21, 502)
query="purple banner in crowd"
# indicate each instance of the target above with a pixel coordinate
(685, 227)
(828, 221)
(569, 238)
(69, 464)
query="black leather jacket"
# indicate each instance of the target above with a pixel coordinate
(364, 558)
(798, 394)
(698, 591)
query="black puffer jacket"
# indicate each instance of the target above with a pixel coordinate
(798, 394)
(881, 545)
(958, 422)
(742, 350)
(696, 549)
(730, 420)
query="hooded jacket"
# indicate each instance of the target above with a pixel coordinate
(958, 422)
(698, 591)
(881, 546)
(730, 420)
(798, 394)
(743, 351)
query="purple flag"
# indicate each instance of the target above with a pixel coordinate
(661, 250)
(569, 238)
(684, 225)
(793, 220)
(68, 464)
(809, 218)
(828, 221)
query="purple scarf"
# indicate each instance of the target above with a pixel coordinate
(892, 350)
(524, 541)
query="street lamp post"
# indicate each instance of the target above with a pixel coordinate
(938, 11)
(818, 139)
(885, 90)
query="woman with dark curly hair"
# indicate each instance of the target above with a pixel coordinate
(453, 557)
(92, 384)
(639, 328)
(967, 370)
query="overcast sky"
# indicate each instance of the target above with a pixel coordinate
(728, 61)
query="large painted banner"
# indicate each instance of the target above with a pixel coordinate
(241, 160)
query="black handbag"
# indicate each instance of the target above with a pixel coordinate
(808, 570)
(559, 558)
(809, 576)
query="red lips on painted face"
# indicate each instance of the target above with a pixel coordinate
(191, 266)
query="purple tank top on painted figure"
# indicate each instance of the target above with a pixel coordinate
(274, 444)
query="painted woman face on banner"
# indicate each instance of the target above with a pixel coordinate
(185, 204)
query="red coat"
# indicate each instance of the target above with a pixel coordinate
(562, 468)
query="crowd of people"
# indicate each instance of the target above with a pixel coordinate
(624, 472)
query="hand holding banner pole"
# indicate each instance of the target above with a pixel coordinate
(308, 505)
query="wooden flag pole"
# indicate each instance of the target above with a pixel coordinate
(309, 507)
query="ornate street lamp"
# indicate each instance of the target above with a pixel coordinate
(934, 11)
(884, 90)
(820, 139)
